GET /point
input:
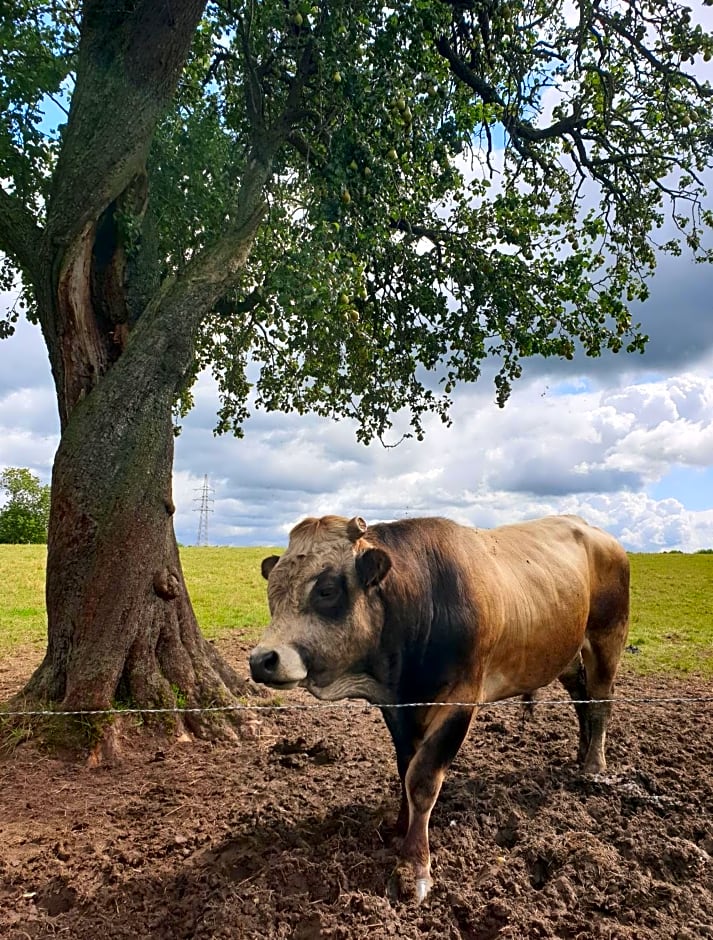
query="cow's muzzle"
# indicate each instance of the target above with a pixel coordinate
(282, 667)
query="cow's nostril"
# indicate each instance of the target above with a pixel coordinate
(264, 665)
(277, 666)
(270, 661)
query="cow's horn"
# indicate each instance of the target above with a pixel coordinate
(356, 527)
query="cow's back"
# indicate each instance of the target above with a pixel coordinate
(543, 559)
(520, 597)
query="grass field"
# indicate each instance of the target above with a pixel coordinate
(672, 612)
(671, 609)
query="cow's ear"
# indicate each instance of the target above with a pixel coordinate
(372, 566)
(268, 564)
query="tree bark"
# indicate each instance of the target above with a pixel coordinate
(120, 621)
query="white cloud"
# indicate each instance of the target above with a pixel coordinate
(604, 438)
(20, 448)
(593, 453)
(28, 430)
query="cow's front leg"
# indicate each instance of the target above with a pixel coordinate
(400, 723)
(426, 770)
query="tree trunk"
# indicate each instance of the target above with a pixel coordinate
(121, 345)
(120, 622)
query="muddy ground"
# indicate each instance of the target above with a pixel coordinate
(287, 834)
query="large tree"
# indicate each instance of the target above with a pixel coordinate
(365, 201)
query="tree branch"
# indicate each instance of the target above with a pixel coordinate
(20, 237)
(462, 71)
(663, 68)
(518, 130)
(129, 61)
(224, 307)
(170, 321)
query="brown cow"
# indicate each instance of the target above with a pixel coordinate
(425, 610)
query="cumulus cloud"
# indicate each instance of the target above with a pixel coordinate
(29, 429)
(610, 446)
(591, 452)
(29, 426)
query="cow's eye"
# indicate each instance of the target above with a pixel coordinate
(329, 596)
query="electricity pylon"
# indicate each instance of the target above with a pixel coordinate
(206, 500)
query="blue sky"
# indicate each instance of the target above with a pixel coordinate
(695, 484)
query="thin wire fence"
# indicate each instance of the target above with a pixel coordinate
(357, 705)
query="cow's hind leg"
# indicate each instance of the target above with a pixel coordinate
(604, 642)
(601, 656)
(424, 777)
(574, 680)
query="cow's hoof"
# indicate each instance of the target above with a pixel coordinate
(423, 886)
(593, 768)
(406, 885)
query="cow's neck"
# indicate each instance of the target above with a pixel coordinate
(354, 685)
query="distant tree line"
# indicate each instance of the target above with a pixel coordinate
(24, 517)
(698, 551)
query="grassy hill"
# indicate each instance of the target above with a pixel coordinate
(671, 602)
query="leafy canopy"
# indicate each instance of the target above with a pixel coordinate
(455, 182)
(25, 515)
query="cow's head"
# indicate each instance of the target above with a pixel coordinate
(326, 617)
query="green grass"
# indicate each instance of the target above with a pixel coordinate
(226, 588)
(671, 610)
(672, 613)
(225, 584)
(22, 596)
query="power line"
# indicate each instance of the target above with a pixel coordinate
(206, 500)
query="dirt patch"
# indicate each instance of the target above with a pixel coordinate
(288, 835)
